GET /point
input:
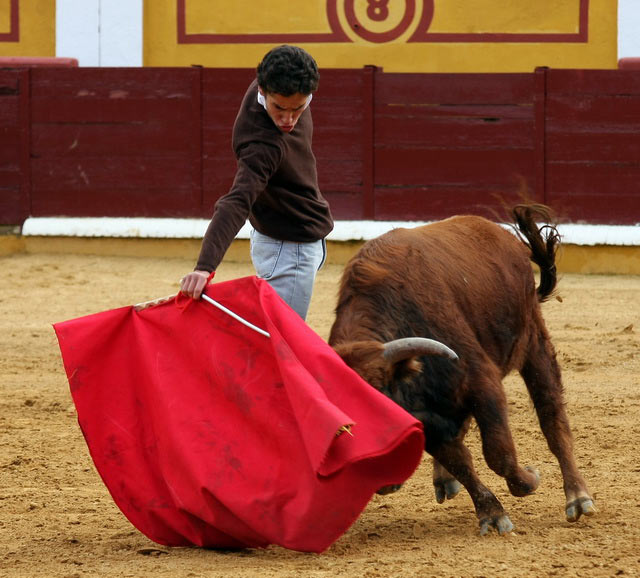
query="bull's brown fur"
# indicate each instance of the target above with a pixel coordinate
(468, 283)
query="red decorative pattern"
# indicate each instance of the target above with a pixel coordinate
(379, 37)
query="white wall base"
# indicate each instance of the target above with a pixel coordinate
(344, 230)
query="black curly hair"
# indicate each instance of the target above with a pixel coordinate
(288, 70)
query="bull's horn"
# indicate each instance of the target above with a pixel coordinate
(400, 349)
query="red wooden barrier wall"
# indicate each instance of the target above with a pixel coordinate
(452, 143)
(593, 144)
(14, 123)
(114, 142)
(155, 142)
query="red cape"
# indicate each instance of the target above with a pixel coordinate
(207, 433)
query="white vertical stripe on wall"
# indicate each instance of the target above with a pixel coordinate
(628, 28)
(121, 32)
(100, 32)
(78, 30)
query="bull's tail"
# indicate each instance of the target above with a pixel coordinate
(543, 242)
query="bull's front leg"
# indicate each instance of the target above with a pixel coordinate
(490, 411)
(456, 459)
(444, 484)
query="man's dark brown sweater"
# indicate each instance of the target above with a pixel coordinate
(276, 184)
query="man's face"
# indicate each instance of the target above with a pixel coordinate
(285, 110)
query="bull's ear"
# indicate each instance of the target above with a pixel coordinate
(358, 354)
(407, 369)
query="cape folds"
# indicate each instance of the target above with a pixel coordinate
(207, 433)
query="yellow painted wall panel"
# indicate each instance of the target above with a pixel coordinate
(398, 35)
(36, 28)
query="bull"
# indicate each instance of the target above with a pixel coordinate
(435, 317)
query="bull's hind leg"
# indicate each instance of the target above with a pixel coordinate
(541, 374)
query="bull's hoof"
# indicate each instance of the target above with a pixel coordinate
(578, 507)
(384, 490)
(446, 489)
(502, 524)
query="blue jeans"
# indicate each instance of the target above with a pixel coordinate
(289, 267)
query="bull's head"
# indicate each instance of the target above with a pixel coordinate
(384, 364)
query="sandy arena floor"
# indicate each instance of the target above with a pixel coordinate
(57, 519)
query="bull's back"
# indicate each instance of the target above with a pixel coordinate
(468, 278)
(466, 253)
